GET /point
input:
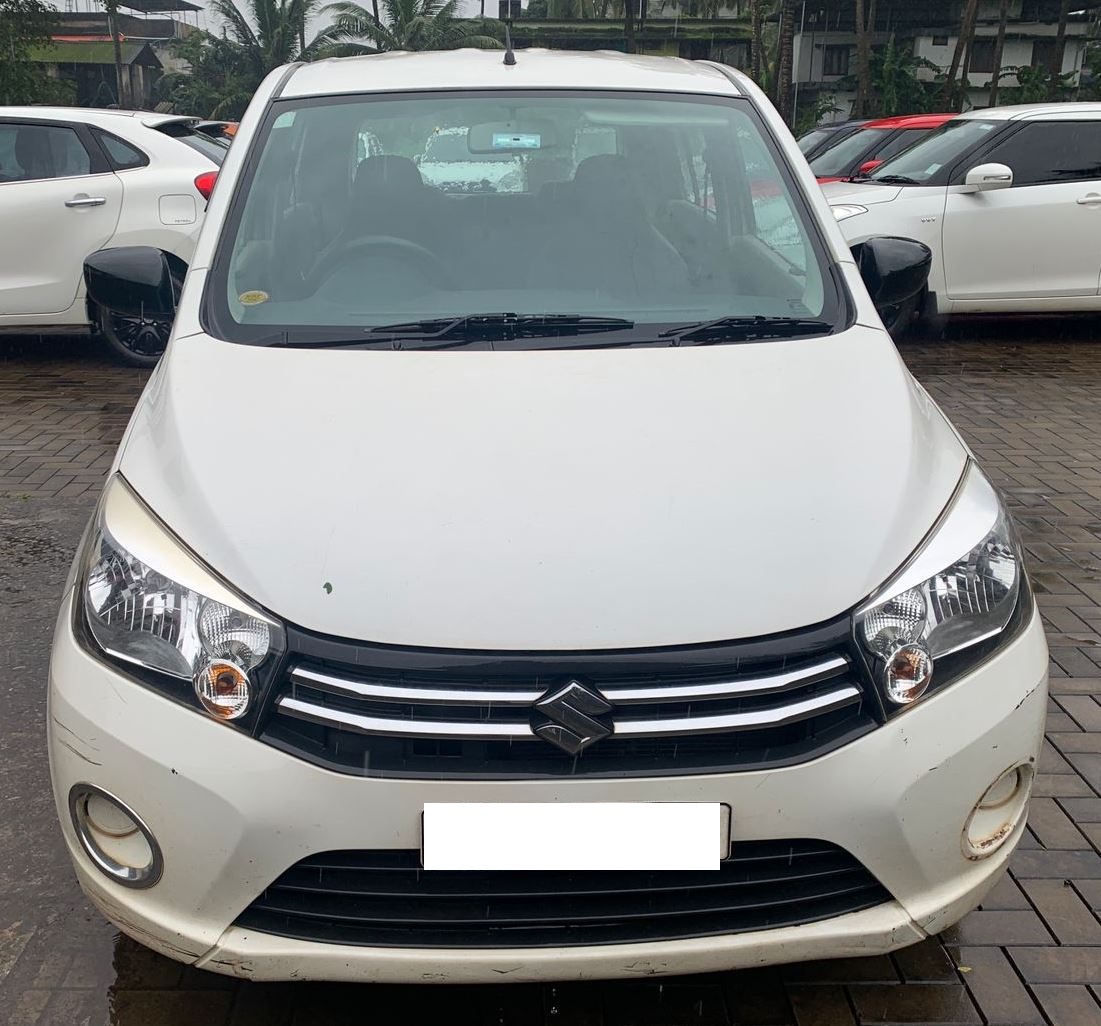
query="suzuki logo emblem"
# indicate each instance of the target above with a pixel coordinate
(570, 713)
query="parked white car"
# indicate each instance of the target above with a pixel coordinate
(73, 181)
(1008, 200)
(550, 585)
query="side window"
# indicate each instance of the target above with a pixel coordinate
(35, 152)
(123, 156)
(777, 225)
(899, 142)
(1048, 152)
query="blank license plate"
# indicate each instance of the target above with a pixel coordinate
(598, 835)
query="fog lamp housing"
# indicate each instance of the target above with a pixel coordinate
(114, 837)
(998, 813)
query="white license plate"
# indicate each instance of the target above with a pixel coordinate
(558, 835)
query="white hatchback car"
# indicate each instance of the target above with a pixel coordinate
(1008, 200)
(73, 181)
(561, 583)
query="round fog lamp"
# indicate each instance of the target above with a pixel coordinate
(119, 844)
(224, 689)
(908, 673)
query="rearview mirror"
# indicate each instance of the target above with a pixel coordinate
(894, 270)
(135, 281)
(986, 177)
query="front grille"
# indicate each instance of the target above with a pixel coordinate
(381, 711)
(384, 898)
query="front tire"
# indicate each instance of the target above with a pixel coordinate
(901, 320)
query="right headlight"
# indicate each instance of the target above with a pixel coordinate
(150, 606)
(939, 615)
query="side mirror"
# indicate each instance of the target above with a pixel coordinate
(135, 281)
(895, 270)
(868, 167)
(986, 177)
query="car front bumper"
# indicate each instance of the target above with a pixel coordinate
(231, 814)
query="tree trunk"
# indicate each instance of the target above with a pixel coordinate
(122, 91)
(963, 44)
(629, 24)
(757, 45)
(865, 29)
(785, 55)
(1060, 53)
(999, 46)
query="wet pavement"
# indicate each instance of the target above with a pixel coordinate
(1027, 395)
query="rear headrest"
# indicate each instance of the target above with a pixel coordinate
(32, 150)
(604, 171)
(388, 173)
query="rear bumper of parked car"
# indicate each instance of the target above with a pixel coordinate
(231, 814)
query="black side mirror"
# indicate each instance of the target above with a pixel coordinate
(135, 281)
(895, 270)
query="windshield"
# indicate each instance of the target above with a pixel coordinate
(811, 139)
(925, 158)
(651, 211)
(838, 160)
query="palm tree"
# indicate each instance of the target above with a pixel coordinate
(999, 49)
(757, 34)
(1059, 55)
(404, 25)
(785, 58)
(279, 35)
(865, 27)
(121, 83)
(963, 44)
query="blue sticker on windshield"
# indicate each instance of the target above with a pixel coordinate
(517, 141)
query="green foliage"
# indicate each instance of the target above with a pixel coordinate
(408, 25)
(1034, 85)
(25, 24)
(225, 71)
(809, 115)
(896, 87)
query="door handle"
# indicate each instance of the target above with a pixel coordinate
(1089, 199)
(91, 201)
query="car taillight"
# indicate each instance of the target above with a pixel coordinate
(205, 183)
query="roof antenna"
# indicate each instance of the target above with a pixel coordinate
(510, 57)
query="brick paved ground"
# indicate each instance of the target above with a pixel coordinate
(1031, 408)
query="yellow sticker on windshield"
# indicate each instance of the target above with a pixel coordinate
(254, 297)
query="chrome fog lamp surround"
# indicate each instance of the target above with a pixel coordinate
(126, 830)
(998, 813)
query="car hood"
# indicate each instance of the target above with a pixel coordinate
(546, 500)
(860, 192)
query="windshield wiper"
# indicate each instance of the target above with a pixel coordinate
(745, 329)
(894, 179)
(492, 327)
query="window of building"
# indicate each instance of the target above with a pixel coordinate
(940, 40)
(981, 61)
(835, 60)
(1051, 152)
(1043, 53)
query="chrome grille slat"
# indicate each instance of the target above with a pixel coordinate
(414, 695)
(521, 731)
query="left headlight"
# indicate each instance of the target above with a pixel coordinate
(150, 604)
(958, 592)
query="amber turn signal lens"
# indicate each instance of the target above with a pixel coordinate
(223, 689)
(908, 673)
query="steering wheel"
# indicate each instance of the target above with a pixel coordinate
(428, 263)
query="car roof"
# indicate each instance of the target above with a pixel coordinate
(911, 121)
(92, 115)
(485, 69)
(1025, 111)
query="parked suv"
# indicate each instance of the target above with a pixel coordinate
(547, 584)
(1008, 200)
(73, 181)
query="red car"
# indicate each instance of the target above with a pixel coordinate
(866, 149)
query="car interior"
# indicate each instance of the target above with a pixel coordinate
(660, 210)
